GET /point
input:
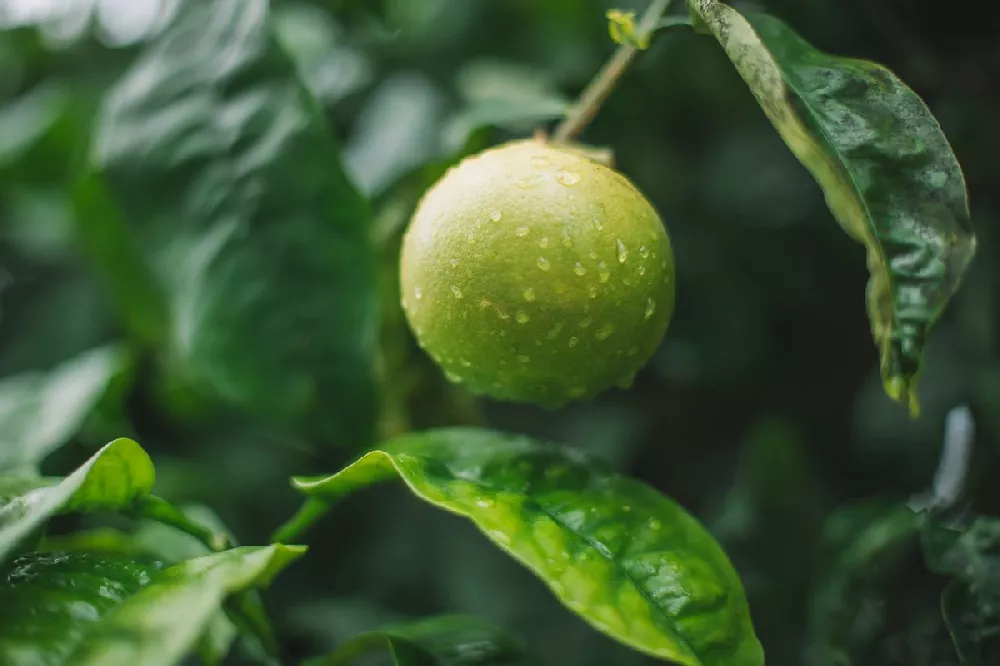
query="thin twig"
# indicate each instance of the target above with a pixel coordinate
(600, 87)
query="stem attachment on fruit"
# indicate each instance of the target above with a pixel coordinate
(600, 87)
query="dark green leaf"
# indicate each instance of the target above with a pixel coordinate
(971, 604)
(625, 558)
(888, 172)
(85, 609)
(441, 641)
(112, 479)
(236, 202)
(41, 411)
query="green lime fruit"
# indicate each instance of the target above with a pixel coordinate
(531, 273)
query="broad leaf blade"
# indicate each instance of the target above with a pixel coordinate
(237, 203)
(454, 640)
(112, 479)
(890, 177)
(625, 558)
(41, 411)
(85, 609)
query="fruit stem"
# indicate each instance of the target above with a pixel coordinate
(600, 87)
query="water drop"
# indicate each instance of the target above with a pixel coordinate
(484, 502)
(654, 524)
(521, 232)
(528, 182)
(543, 263)
(603, 274)
(416, 293)
(466, 363)
(643, 252)
(568, 178)
(496, 216)
(592, 254)
(522, 317)
(642, 270)
(540, 161)
(573, 341)
(554, 331)
(501, 537)
(626, 281)
(586, 321)
(622, 252)
(592, 291)
(523, 358)
(626, 508)
(484, 303)
(529, 294)
(605, 331)
(544, 242)
(650, 308)
(579, 269)
(453, 378)
(567, 242)
(504, 316)
(456, 291)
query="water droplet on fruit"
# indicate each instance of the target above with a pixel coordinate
(456, 291)
(567, 242)
(499, 536)
(544, 242)
(573, 341)
(643, 252)
(622, 252)
(579, 269)
(650, 308)
(642, 270)
(522, 317)
(521, 232)
(529, 294)
(568, 178)
(540, 161)
(417, 293)
(484, 502)
(592, 254)
(466, 363)
(543, 263)
(452, 377)
(592, 291)
(603, 274)
(554, 331)
(605, 331)
(504, 316)
(523, 358)
(586, 321)
(496, 215)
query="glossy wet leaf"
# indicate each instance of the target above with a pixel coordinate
(890, 177)
(41, 411)
(236, 202)
(627, 559)
(457, 640)
(112, 479)
(87, 609)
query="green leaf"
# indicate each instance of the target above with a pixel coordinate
(236, 201)
(971, 603)
(113, 478)
(625, 558)
(41, 411)
(85, 609)
(888, 172)
(451, 640)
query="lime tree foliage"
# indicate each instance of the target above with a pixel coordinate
(342, 289)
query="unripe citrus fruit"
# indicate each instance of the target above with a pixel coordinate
(531, 273)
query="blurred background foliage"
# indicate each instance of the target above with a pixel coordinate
(762, 412)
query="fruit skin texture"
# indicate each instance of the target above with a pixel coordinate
(533, 274)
